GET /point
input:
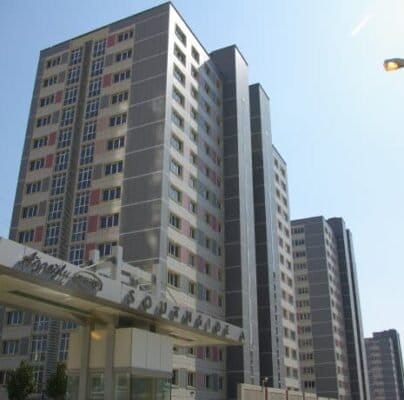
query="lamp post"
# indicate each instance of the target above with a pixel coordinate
(393, 64)
(264, 389)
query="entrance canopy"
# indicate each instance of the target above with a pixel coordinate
(33, 280)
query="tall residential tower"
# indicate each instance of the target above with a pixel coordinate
(332, 356)
(138, 137)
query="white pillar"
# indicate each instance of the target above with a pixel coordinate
(85, 333)
(109, 361)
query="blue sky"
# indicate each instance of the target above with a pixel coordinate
(337, 117)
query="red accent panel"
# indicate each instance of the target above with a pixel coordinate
(111, 41)
(38, 234)
(185, 227)
(102, 123)
(99, 146)
(58, 96)
(200, 351)
(89, 247)
(106, 80)
(52, 139)
(95, 197)
(201, 264)
(184, 255)
(215, 353)
(92, 223)
(49, 161)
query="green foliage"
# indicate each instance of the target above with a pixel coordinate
(21, 382)
(57, 383)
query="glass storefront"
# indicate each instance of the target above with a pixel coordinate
(126, 387)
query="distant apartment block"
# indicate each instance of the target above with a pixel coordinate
(385, 365)
(331, 346)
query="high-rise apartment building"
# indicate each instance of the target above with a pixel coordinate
(138, 137)
(275, 283)
(385, 366)
(332, 357)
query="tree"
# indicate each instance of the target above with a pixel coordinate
(21, 382)
(57, 383)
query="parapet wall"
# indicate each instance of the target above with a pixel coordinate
(253, 392)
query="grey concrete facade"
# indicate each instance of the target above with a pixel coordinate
(385, 365)
(357, 361)
(329, 313)
(240, 259)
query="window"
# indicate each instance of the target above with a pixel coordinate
(89, 131)
(177, 119)
(62, 160)
(178, 97)
(85, 175)
(175, 221)
(75, 56)
(119, 119)
(46, 100)
(38, 347)
(92, 108)
(177, 143)
(194, 72)
(174, 250)
(81, 203)
(63, 346)
(179, 75)
(192, 288)
(53, 62)
(120, 97)
(50, 81)
(76, 254)
(195, 54)
(73, 76)
(37, 164)
(40, 142)
(191, 379)
(176, 168)
(194, 135)
(41, 323)
(97, 66)
(67, 116)
(192, 207)
(30, 211)
(87, 154)
(10, 347)
(94, 88)
(179, 54)
(114, 168)
(193, 158)
(26, 236)
(99, 48)
(124, 55)
(174, 378)
(180, 35)
(175, 194)
(52, 234)
(33, 187)
(173, 279)
(38, 374)
(14, 317)
(55, 209)
(121, 76)
(111, 194)
(108, 221)
(64, 138)
(42, 121)
(79, 229)
(70, 96)
(194, 92)
(116, 143)
(105, 249)
(125, 35)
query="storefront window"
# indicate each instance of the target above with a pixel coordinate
(72, 392)
(96, 387)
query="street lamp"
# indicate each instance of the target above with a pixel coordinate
(393, 64)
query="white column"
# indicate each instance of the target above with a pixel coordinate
(85, 333)
(109, 361)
